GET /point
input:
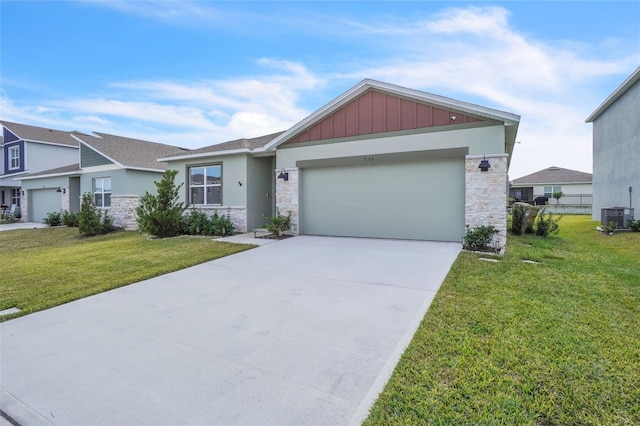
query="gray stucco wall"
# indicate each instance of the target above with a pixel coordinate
(41, 157)
(260, 190)
(234, 170)
(616, 154)
(478, 140)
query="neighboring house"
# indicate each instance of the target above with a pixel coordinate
(114, 169)
(379, 161)
(616, 149)
(234, 178)
(574, 185)
(30, 149)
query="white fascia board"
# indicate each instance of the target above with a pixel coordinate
(76, 172)
(207, 154)
(9, 176)
(105, 168)
(626, 85)
(493, 114)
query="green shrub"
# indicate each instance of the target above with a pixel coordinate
(279, 223)
(609, 228)
(479, 237)
(196, 222)
(557, 195)
(161, 215)
(519, 213)
(53, 219)
(546, 224)
(69, 219)
(89, 216)
(221, 225)
(634, 225)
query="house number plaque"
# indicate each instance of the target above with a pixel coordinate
(367, 159)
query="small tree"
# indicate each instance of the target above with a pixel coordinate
(89, 216)
(161, 214)
(557, 195)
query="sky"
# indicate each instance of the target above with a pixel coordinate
(196, 73)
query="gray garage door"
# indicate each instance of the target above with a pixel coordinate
(421, 200)
(42, 202)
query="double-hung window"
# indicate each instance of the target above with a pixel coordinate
(205, 184)
(549, 190)
(102, 191)
(14, 157)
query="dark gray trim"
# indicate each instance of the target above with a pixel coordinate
(460, 126)
(374, 159)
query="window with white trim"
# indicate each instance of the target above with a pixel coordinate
(205, 184)
(14, 157)
(15, 196)
(549, 190)
(102, 191)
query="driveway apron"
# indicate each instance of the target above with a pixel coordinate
(304, 331)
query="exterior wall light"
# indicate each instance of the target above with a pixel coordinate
(484, 165)
(62, 189)
(283, 175)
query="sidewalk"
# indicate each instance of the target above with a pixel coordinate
(22, 225)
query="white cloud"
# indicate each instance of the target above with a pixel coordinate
(473, 54)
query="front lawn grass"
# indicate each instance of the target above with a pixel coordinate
(554, 343)
(42, 268)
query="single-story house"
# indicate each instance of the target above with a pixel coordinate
(115, 169)
(616, 149)
(30, 149)
(379, 161)
(575, 186)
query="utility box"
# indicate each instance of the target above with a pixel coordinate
(620, 215)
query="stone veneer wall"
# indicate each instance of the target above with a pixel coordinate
(123, 211)
(24, 205)
(287, 197)
(65, 199)
(486, 194)
(238, 215)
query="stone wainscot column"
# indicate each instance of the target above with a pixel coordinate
(287, 196)
(123, 211)
(486, 194)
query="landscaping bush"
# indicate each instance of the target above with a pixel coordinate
(279, 223)
(221, 225)
(609, 228)
(161, 215)
(89, 216)
(53, 219)
(91, 221)
(196, 222)
(546, 224)
(519, 212)
(634, 225)
(69, 219)
(479, 237)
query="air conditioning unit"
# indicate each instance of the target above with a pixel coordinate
(620, 215)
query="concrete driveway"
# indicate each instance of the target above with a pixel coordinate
(304, 331)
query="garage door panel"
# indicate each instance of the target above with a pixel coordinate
(43, 201)
(401, 200)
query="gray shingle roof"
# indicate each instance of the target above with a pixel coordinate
(70, 169)
(244, 143)
(553, 175)
(128, 152)
(40, 134)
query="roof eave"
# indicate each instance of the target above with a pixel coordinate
(210, 154)
(621, 90)
(73, 173)
(507, 118)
